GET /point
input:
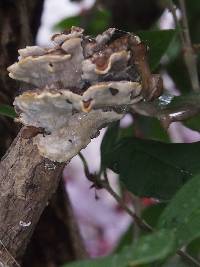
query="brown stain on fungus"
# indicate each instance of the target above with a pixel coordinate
(31, 131)
(87, 105)
(113, 91)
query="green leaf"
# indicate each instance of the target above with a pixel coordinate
(109, 140)
(174, 49)
(153, 169)
(183, 213)
(113, 134)
(194, 248)
(68, 23)
(152, 213)
(8, 111)
(158, 42)
(193, 123)
(150, 248)
(177, 70)
(151, 128)
(98, 21)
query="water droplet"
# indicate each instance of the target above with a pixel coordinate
(49, 166)
(165, 99)
(24, 224)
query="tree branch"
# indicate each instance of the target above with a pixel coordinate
(63, 235)
(27, 183)
(141, 223)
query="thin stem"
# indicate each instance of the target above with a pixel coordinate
(196, 48)
(172, 9)
(188, 258)
(137, 208)
(188, 51)
(189, 55)
(85, 165)
(141, 223)
(185, 24)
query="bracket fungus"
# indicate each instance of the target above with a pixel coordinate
(79, 86)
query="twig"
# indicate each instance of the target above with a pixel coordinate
(172, 9)
(137, 208)
(99, 183)
(188, 52)
(185, 26)
(188, 258)
(189, 55)
(104, 184)
(141, 223)
(85, 165)
(196, 48)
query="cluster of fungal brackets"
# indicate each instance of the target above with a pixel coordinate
(79, 85)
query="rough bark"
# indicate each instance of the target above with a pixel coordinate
(60, 242)
(25, 189)
(27, 184)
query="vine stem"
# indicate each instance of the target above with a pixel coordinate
(99, 183)
(184, 255)
(172, 9)
(141, 223)
(190, 57)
